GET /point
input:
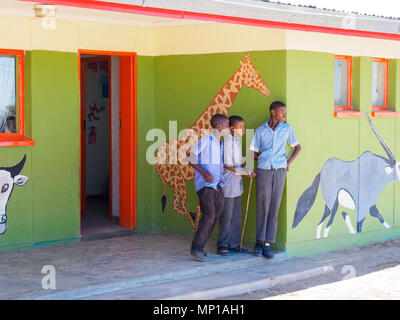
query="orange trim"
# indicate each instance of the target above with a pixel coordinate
(128, 76)
(385, 92)
(384, 114)
(17, 142)
(347, 114)
(128, 139)
(181, 14)
(349, 82)
(17, 139)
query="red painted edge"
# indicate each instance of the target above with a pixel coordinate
(384, 114)
(17, 142)
(176, 14)
(347, 114)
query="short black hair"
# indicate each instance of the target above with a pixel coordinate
(218, 119)
(276, 105)
(234, 119)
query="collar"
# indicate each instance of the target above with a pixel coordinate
(277, 127)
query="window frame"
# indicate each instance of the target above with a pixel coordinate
(386, 84)
(18, 138)
(347, 111)
(349, 83)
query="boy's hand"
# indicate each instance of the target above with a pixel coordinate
(208, 177)
(252, 174)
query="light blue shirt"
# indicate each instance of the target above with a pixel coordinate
(209, 154)
(232, 157)
(272, 145)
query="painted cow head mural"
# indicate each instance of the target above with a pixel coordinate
(8, 177)
(355, 185)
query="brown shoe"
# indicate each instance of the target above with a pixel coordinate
(198, 255)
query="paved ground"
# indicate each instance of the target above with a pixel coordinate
(370, 272)
(158, 266)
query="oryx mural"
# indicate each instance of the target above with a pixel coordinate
(8, 177)
(352, 184)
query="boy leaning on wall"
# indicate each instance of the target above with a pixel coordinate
(206, 157)
(230, 222)
(269, 147)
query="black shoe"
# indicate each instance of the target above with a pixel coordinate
(205, 253)
(258, 249)
(267, 252)
(222, 251)
(237, 250)
(198, 255)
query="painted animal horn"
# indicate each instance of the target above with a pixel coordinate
(15, 170)
(383, 144)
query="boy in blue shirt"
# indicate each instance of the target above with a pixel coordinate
(269, 147)
(206, 157)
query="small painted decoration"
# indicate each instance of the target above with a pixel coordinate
(175, 172)
(93, 109)
(354, 185)
(9, 176)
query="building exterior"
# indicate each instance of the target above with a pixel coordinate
(168, 65)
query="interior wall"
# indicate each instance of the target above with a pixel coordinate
(115, 124)
(97, 128)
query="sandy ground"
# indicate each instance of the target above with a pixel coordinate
(371, 272)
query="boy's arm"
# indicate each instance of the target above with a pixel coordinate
(294, 154)
(193, 162)
(241, 171)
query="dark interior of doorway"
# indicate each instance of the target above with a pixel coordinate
(97, 217)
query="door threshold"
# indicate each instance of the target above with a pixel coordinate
(106, 235)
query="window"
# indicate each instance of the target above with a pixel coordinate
(379, 84)
(343, 84)
(12, 129)
(343, 69)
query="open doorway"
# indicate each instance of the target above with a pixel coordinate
(101, 136)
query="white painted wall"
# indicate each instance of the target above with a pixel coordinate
(115, 132)
(97, 152)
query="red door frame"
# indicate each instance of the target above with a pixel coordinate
(128, 134)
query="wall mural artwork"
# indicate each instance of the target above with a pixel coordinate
(8, 177)
(176, 172)
(355, 185)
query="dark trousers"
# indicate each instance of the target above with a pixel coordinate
(211, 205)
(269, 188)
(230, 223)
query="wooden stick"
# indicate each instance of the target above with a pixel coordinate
(245, 217)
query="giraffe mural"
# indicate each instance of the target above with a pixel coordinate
(171, 160)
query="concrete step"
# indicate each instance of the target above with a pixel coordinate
(214, 266)
(106, 235)
(225, 284)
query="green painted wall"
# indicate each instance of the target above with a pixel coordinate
(179, 88)
(310, 96)
(47, 207)
(146, 174)
(184, 87)
(55, 156)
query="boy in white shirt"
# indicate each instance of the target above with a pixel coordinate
(231, 218)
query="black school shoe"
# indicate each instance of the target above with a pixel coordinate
(267, 252)
(198, 255)
(237, 250)
(258, 249)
